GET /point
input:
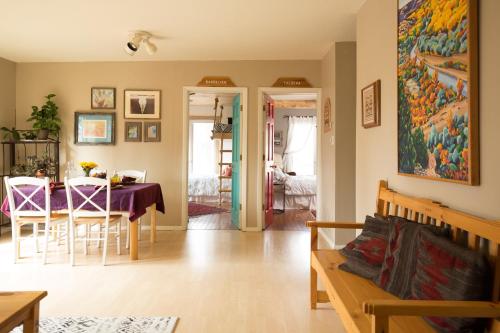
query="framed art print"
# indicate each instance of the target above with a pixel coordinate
(152, 131)
(437, 80)
(142, 104)
(94, 128)
(103, 98)
(327, 116)
(370, 105)
(133, 131)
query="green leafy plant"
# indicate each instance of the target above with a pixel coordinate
(11, 134)
(46, 117)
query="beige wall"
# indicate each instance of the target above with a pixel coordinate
(7, 95)
(376, 152)
(71, 82)
(339, 159)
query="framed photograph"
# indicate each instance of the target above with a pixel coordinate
(102, 98)
(327, 116)
(437, 73)
(94, 128)
(370, 105)
(133, 131)
(142, 104)
(152, 131)
(278, 138)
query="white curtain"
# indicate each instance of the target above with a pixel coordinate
(204, 150)
(300, 151)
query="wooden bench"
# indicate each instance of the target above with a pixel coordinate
(364, 307)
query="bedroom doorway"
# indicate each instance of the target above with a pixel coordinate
(288, 126)
(215, 168)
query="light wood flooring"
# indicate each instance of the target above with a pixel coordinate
(221, 221)
(215, 281)
(291, 220)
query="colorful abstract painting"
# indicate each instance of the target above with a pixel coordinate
(437, 89)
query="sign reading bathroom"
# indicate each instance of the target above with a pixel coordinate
(438, 90)
(142, 104)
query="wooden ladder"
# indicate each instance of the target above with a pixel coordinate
(222, 151)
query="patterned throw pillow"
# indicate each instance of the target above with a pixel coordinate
(365, 254)
(447, 271)
(399, 263)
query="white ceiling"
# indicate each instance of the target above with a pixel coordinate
(97, 30)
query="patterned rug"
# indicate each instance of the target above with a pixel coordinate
(196, 209)
(105, 325)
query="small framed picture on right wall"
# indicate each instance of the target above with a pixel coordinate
(370, 105)
(152, 131)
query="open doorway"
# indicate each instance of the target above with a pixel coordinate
(290, 145)
(214, 165)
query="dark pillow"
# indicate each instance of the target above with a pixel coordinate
(366, 253)
(447, 271)
(398, 268)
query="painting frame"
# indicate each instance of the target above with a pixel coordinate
(133, 109)
(107, 137)
(327, 116)
(147, 136)
(370, 105)
(110, 104)
(472, 91)
(127, 128)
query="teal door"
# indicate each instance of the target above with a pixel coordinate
(236, 164)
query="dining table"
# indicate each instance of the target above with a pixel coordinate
(131, 201)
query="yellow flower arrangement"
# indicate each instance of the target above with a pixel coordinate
(87, 167)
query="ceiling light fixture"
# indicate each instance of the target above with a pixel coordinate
(136, 39)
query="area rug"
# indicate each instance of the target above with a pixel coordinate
(105, 325)
(196, 209)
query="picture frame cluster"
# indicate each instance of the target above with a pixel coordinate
(99, 128)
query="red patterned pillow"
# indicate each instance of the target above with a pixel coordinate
(447, 271)
(366, 253)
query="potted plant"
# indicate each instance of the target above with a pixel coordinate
(45, 118)
(11, 135)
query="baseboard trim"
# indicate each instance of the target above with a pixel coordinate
(327, 239)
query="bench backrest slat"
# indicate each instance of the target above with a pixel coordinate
(478, 234)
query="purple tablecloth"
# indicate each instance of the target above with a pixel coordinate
(133, 199)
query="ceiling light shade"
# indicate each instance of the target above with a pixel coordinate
(135, 41)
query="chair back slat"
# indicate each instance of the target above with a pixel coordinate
(88, 205)
(22, 193)
(474, 232)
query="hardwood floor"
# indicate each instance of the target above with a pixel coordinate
(291, 220)
(220, 221)
(215, 281)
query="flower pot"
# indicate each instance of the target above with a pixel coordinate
(43, 134)
(40, 173)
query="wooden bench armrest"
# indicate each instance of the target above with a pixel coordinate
(470, 309)
(337, 225)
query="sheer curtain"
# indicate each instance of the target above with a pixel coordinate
(300, 151)
(204, 150)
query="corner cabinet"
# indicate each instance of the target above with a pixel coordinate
(26, 158)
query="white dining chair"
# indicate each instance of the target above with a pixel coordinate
(140, 177)
(27, 212)
(97, 215)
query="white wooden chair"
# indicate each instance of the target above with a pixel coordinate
(100, 216)
(28, 212)
(140, 177)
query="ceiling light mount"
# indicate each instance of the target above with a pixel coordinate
(136, 39)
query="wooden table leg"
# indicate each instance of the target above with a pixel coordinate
(30, 324)
(153, 223)
(134, 240)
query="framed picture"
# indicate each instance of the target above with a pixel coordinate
(152, 131)
(327, 116)
(142, 104)
(94, 128)
(133, 131)
(437, 75)
(102, 98)
(278, 138)
(370, 105)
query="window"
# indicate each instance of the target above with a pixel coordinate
(300, 152)
(203, 150)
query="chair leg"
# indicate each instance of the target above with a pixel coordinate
(105, 249)
(15, 244)
(68, 237)
(35, 237)
(58, 234)
(46, 244)
(99, 236)
(86, 242)
(72, 243)
(314, 288)
(118, 237)
(127, 241)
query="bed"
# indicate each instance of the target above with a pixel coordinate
(300, 193)
(206, 189)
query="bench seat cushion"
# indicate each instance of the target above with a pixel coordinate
(347, 292)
